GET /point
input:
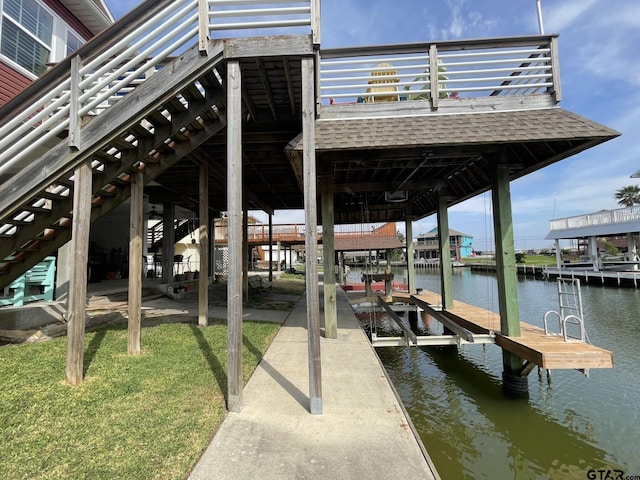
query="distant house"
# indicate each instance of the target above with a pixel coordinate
(426, 245)
(37, 33)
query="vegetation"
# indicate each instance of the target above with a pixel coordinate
(395, 254)
(628, 196)
(135, 417)
(526, 259)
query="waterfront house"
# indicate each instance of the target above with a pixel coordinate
(426, 245)
(201, 117)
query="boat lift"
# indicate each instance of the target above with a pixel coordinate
(459, 335)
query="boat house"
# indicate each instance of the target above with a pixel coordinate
(175, 102)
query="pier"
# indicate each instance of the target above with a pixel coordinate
(534, 346)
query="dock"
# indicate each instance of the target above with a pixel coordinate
(534, 346)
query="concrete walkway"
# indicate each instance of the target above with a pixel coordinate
(362, 432)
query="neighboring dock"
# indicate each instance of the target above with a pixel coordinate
(546, 351)
(363, 431)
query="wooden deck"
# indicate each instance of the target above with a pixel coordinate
(546, 351)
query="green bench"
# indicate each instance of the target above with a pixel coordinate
(258, 283)
(40, 277)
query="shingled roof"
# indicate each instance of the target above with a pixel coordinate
(480, 128)
(428, 155)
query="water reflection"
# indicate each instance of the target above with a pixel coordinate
(568, 425)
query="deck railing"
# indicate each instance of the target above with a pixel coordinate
(114, 63)
(606, 217)
(452, 69)
(296, 232)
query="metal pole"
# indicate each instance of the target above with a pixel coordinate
(540, 25)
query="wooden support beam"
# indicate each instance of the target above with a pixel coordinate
(135, 264)
(168, 240)
(311, 237)
(444, 244)
(203, 280)
(505, 264)
(411, 269)
(328, 247)
(245, 247)
(76, 306)
(234, 208)
(271, 247)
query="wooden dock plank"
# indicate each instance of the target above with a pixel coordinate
(546, 351)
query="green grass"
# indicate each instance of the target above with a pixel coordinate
(528, 260)
(135, 417)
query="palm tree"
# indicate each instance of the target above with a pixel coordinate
(628, 196)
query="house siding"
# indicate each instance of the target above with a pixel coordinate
(11, 83)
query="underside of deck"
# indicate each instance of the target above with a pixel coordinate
(546, 351)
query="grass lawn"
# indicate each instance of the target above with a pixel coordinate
(528, 260)
(135, 417)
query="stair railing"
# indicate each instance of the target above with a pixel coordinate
(113, 63)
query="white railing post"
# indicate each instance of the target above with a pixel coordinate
(203, 26)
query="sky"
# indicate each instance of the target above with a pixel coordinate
(599, 51)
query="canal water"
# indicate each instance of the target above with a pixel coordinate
(568, 426)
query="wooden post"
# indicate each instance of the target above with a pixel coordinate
(77, 303)
(279, 247)
(63, 271)
(433, 76)
(270, 247)
(556, 89)
(168, 241)
(342, 268)
(315, 21)
(411, 269)
(203, 280)
(506, 275)
(203, 26)
(328, 248)
(135, 264)
(74, 103)
(311, 234)
(245, 248)
(558, 255)
(234, 241)
(444, 244)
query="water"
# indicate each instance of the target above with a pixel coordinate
(567, 426)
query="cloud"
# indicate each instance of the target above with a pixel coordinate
(563, 15)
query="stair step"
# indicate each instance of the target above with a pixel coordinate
(14, 222)
(51, 196)
(33, 209)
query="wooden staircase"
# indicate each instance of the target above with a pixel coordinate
(160, 122)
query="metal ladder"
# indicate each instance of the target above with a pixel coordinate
(570, 306)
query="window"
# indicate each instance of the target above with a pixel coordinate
(73, 42)
(27, 32)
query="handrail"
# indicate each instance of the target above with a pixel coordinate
(452, 69)
(119, 59)
(606, 217)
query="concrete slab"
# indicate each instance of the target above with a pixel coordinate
(362, 432)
